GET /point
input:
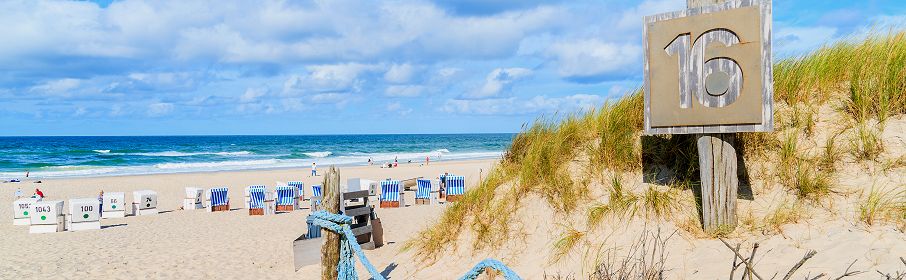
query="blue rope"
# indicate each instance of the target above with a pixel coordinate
(348, 245)
(490, 263)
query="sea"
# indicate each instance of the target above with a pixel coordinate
(90, 156)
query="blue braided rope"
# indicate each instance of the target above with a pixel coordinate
(490, 263)
(349, 246)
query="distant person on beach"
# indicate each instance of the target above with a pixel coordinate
(443, 184)
(314, 169)
(38, 194)
(101, 203)
(18, 193)
(26, 173)
(369, 162)
(396, 162)
(427, 160)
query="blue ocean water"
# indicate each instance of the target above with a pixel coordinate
(46, 157)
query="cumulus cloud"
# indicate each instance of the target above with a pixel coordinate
(796, 40)
(400, 73)
(328, 78)
(62, 87)
(499, 81)
(404, 90)
(252, 94)
(594, 60)
(518, 106)
(160, 109)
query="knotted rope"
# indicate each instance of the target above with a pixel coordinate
(348, 245)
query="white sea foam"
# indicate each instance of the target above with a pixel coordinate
(182, 154)
(102, 151)
(319, 154)
(350, 159)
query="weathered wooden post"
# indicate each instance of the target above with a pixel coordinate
(708, 72)
(717, 165)
(330, 251)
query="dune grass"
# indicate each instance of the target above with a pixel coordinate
(865, 79)
(884, 205)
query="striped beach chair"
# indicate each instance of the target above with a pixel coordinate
(286, 198)
(220, 200)
(315, 197)
(257, 196)
(300, 189)
(391, 196)
(456, 187)
(423, 193)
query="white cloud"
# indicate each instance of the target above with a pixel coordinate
(252, 94)
(499, 81)
(160, 109)
(634, 18)
(516, 106)
(328, 78)
(590, 58)
(61, 87)
(796, 40)
(404, 90)
(400, 73)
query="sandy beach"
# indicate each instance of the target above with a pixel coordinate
(197, 244)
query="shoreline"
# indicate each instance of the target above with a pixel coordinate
(32, 179)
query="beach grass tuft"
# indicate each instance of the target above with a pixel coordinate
(883, 205)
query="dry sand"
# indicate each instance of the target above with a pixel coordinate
(197, 244)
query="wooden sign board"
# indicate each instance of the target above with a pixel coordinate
(709, 69)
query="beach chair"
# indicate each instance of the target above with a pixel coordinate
(456, 187)
(261, 202)
(300, 190)
(423, 192)
(286, 198)
(315, 197)
(391, 196)
(220, 200)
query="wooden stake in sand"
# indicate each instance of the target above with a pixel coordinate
(717, 165)
(330, 251)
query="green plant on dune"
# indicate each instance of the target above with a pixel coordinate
(883, 205)
(621, 204)
(865, 142)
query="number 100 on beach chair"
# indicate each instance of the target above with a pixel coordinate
(391, 196)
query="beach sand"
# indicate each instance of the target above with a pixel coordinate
(196, 244)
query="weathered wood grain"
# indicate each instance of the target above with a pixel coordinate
(719, 180)
(330, 251)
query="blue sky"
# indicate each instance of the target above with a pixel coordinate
(341, 67)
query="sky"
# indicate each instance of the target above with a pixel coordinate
(175, 67)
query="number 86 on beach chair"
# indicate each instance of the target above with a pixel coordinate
(391, 196)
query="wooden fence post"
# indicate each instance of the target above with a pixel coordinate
(717, 164)
(330, 251)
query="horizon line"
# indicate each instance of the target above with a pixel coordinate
(214, 135)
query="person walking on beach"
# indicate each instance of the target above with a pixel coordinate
(427, 160)
(101, 203)
(369, 162)
(314, 169)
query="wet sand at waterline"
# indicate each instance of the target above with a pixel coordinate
(197, 244)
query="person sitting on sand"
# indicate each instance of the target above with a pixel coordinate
(443, 184)
(38, 194)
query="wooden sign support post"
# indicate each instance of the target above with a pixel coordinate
(330, 251)
(717, 164)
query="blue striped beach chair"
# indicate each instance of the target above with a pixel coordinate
(286, 198)
(300, 189)
(456, 187)
(257, 196)
(315, 197)
(423, 193)
(220, 199)
(391, 196)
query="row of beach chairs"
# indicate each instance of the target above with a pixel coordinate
(391, 191)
